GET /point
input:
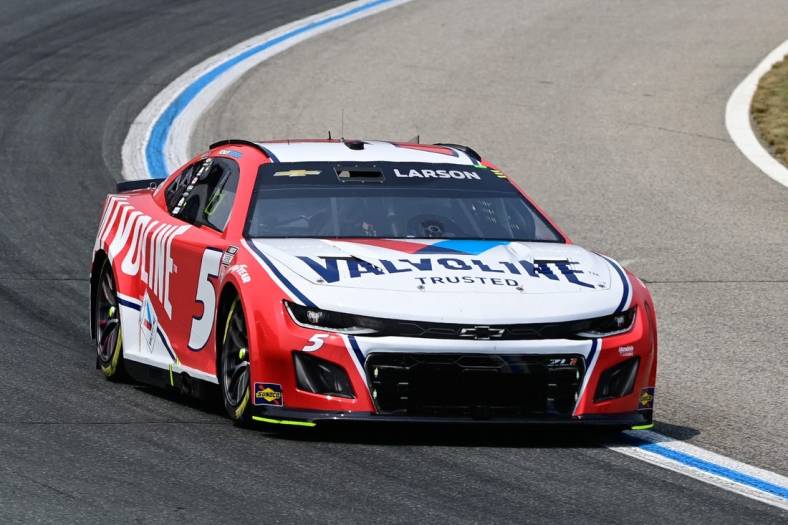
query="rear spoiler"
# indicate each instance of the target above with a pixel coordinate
(465, 149)
(141, 184)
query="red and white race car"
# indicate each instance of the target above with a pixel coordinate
(365, 280)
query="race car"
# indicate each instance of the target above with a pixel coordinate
(310, 281)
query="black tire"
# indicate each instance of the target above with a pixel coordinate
(109, 336)
(234, 373)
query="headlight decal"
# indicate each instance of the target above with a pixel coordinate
(614, 324)
(315, 318)
(360, 325)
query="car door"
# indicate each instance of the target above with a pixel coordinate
(203, 199)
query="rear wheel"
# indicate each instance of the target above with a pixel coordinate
(234, 365)
(109, 338)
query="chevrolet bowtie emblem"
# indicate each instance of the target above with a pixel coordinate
(482, 332)
(296, 173)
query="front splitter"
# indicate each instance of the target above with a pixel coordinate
(308, 418)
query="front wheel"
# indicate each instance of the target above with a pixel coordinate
(109, 337)
(234, 365)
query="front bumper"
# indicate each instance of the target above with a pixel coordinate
(353, 354)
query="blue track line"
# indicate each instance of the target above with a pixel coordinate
(154, 148)
(712, 468)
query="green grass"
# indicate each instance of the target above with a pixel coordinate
(770, 109)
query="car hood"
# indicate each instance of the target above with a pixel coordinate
(446, 280)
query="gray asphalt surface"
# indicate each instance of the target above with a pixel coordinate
(75, 448)
(610, 114)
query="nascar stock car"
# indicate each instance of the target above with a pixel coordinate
(318, 280)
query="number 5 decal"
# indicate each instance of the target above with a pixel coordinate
(316, 341)
(206, 294)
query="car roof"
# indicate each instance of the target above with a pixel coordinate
(366, 151)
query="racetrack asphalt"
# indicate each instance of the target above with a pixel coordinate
(75, 448)
(610, 115)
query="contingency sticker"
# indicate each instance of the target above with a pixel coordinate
(229, 254)
(268, 394)
(231, 153)
(646, 399)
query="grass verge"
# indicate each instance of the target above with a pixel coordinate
(770, 109)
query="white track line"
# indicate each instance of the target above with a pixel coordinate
(737, 119)
(172, 146)
(698, 463)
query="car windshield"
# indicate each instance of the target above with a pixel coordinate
(391, 200)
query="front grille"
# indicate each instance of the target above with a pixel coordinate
(474, 385)
(565, 330)
(509, 332)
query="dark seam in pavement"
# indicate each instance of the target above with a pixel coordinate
(721, 281)
(95, 423)
(12, 80)
(46, 486)
(3, 278)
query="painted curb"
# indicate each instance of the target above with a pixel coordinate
(739, 125)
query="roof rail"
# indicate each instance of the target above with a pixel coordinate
(240, 142)
(465, 149)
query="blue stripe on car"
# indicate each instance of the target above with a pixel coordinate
(466, 247)
(356, 349)
(295, 291)
(592, 353)
(129, 304)
(164, 343)
(624, 282)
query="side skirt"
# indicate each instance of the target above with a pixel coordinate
(170, 380)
